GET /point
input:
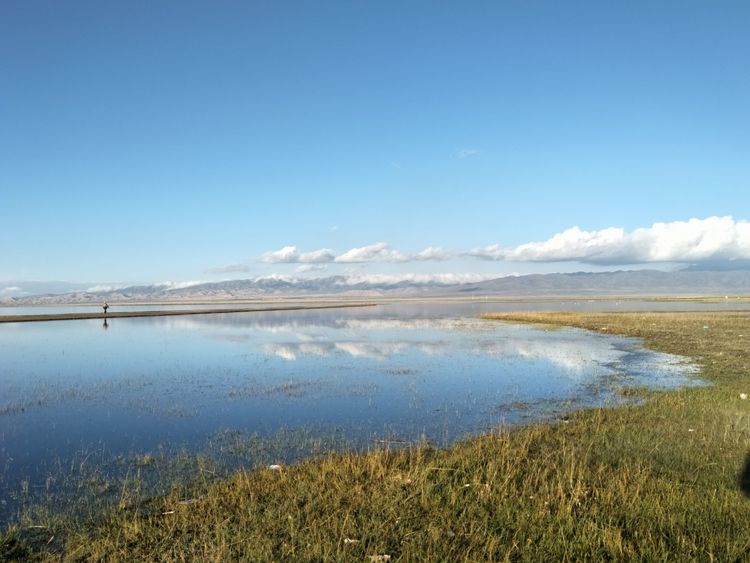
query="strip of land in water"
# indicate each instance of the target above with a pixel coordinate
(657, 480)
(169, 313)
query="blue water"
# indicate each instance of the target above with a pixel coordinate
(403, 372)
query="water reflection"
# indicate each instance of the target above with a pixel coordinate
(360, 338)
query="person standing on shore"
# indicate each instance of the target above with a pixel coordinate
(105, 307)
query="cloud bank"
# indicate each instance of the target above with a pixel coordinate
(290, 255)
(711, 240)
(436, 253)
(171, 286)
(378, 252)
(12, 291)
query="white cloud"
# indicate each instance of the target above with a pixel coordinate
(285, 255)
(291, 255)
(433, 253)
(12, 291)
(276, 277)
(605, 245)
(167, 285)
(378, 252)
(696, 240)
(100, 288)
(317, 256)
(491, 252)
(309, 268)
(713, 239)
(170, 286)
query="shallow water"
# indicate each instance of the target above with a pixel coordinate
(467, 306)
(391, 372)
(97, 308)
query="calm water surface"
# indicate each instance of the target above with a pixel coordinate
(97, 308)
(550, 304)
(391, 372)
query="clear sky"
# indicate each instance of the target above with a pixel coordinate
(147, 141)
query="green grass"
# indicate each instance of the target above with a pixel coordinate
(654, 481)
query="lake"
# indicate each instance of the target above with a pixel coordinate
(80, 401)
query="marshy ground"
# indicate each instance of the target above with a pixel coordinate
(657, 480)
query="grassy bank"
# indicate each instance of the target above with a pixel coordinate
(655, 481)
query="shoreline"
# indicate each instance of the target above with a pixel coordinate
(169, 313)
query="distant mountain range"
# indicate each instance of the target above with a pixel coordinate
(637, 282)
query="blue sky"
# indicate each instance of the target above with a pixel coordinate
(144, 141)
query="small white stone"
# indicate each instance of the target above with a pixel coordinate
(743, 396)
(274, 467)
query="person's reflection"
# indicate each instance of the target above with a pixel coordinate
(105, 324)
(745, 477)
